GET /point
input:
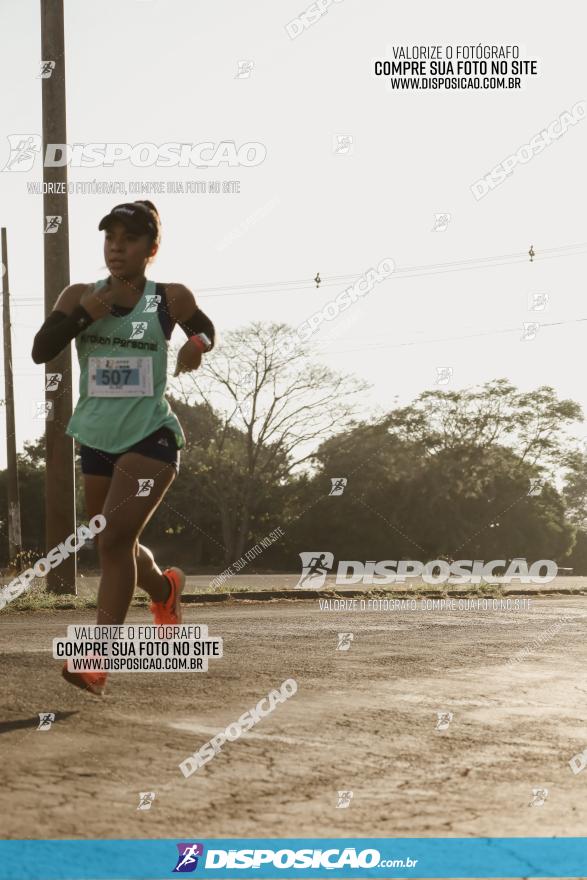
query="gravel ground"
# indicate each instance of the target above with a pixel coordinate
(363, 720)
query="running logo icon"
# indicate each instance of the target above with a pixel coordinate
(443, 375)
(52, 381)
(529, 331)
(538, 302)
(188, 857)
(539, 796)
(23, 151)
(153, 301)
(146, 798)
(441, 222)
(145, 486)
(315, 567)
(43, 410)
(244, 69)
(52, 222)
(344, 641)
(46, 719)
(47, 68)
(443, 720)
(338, 485)
(138, 329)
(249, 381)
(342, 144)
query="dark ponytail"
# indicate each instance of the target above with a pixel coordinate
(148, 205)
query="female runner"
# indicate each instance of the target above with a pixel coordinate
(129, 437)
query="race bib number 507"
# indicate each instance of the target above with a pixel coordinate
(120, 377)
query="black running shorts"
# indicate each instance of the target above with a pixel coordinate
(161, 444)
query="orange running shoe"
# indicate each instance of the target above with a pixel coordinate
(95, 682)
(170, 611)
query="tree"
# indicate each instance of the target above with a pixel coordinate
(271, 406)
(432, 480)
(575, 488)
(531, 424)
(32, 513)
(35, 452)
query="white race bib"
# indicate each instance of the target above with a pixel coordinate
(120, 377)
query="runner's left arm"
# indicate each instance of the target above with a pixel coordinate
(185, 311)
(193, 321)
(198, 323)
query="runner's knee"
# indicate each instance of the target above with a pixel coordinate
(113, 540)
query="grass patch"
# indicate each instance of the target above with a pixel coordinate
(484, 589)
(38, 598)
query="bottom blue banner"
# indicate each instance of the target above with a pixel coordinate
(406, 857)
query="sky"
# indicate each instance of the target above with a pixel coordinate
(159, 71)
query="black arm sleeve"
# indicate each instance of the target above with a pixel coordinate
(57, 332)
(199, 323)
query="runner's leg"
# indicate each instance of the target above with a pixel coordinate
(126, 516)
(95, 492)
(149, 576)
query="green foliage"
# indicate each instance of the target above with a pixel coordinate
(448, 476)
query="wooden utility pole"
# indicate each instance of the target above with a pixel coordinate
(14, 535)
(60, 472)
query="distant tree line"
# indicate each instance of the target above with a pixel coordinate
(482, 473)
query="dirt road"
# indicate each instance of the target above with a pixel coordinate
(363, 720)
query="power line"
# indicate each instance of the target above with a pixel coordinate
(477, 262)
(251, 289)
(461, 265)
(517, 329)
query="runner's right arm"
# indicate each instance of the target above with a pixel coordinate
(67, 319)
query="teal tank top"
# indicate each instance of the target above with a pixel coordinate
(123, 378)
